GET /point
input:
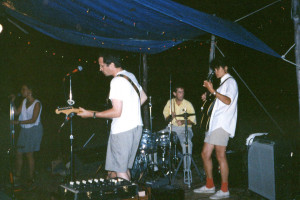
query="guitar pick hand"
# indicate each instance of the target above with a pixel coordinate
(209, 86)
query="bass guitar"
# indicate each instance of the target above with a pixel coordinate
(67, 110)
(207, 107)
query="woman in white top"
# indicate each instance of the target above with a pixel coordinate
(31, 130)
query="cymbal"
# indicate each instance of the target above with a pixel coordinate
(185, 114)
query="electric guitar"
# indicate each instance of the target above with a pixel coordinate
(207, 107)
(67, 110)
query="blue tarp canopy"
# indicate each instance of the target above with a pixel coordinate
(148, 26)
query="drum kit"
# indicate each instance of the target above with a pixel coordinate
(158, 152)
(157, 155)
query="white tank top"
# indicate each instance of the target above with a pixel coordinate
(26, 114)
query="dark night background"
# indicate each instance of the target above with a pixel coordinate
(44, 62)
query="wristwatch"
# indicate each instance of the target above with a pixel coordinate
(215, 93)
(94, 115)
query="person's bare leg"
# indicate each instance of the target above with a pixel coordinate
(19, 163)
(31, 163)
(111, 174)
(207, 161)
(128, 174)
(123, 175)
(221, 157)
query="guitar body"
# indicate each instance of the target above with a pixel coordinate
(206, 110)
(67, 110)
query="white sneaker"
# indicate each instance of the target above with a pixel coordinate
(205, 190)
(220, 195)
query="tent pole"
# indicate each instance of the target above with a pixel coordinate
(296, 16)
(211, 52)
(145, 87)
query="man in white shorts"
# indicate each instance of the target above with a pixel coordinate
(126, 96)
(222, 125)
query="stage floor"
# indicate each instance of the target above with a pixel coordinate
(48, 183)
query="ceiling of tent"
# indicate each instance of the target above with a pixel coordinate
(147, 26)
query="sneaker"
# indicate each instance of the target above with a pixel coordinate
(205, 190)
(220, 195)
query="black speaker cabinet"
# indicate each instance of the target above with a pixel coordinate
(269, 168)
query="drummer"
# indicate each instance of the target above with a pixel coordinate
(178, 107)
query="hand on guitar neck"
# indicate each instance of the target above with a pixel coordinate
(209, 86)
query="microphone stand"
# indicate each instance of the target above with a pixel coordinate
(10, 151)
(71, 102)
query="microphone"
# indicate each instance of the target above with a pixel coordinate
(68, 117)
(13, 95)
(78, 69)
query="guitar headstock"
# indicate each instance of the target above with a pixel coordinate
(66, 110)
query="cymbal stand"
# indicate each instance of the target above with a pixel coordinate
(152, 157)
(150, 112)
(170, 131)
(187, 156)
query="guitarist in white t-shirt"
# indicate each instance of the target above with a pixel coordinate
(126, 96)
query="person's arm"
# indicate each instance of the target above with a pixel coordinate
(166, 112)
(35, 115)
(114, 112)
(225, 99)
(143, 97)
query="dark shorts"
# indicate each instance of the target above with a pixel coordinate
(30, 139)
(121, 150)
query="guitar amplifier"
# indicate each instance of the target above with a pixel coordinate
(270, 170)
(99, 189)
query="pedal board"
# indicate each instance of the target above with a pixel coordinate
(99, 189)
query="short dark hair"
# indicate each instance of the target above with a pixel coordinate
(219, 62)
(108, 59)
(177, 87)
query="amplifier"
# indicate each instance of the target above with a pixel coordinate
(99, 189)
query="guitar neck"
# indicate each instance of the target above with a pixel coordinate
(68, 110)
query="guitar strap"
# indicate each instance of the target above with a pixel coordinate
(130, 81)
(224, 81)
(213, 103)
(211, 107)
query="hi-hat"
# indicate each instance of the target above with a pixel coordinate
(185, 114)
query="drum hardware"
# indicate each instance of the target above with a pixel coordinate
(187, 156)
(170, 131)
(150, 112)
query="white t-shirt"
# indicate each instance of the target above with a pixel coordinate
(121, 89)
(26, 114)
(225, 116)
